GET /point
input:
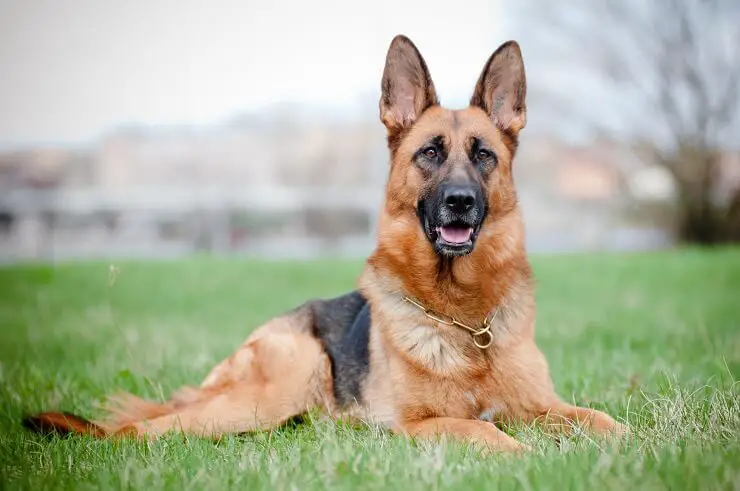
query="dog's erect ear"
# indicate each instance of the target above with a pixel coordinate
(407, 88)
(502, 88)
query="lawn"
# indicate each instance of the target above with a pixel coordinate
(653, 338)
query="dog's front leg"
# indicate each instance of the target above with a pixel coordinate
(471, 430)
(565, 418)
(529, 396)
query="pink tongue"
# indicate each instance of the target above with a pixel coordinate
(455, 235)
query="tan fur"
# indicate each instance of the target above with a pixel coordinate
(278, 373)
(439, 379)
(425, 378)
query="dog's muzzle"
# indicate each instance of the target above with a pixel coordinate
(452, 216)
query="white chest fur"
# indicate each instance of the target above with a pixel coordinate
(424, 342)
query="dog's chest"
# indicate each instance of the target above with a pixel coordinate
(466, 389)
(429, 347)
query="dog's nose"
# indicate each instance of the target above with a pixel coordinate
(459, 198)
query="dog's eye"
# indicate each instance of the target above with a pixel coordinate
(484, 154)
(430, 153)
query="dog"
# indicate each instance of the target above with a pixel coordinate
(438, 338)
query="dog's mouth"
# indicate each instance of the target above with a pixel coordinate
(455, 234)
(452, 238)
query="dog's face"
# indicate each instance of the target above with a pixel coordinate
(452, 169)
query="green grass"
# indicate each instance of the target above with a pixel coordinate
(654, 339)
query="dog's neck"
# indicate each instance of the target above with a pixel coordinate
(468, 287)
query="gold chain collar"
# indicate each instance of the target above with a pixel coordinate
(451, 321)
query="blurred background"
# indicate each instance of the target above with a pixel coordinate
(159, 129)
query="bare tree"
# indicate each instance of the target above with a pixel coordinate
(669, 72)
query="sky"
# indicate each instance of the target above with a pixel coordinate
(73, 69)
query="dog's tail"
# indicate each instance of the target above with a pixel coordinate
(126, 413)
(62, 423)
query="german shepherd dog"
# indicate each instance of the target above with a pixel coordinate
(439, 337)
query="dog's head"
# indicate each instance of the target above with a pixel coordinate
(452, 168)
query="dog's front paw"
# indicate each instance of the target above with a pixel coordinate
(621, 430)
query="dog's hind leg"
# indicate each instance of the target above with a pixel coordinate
(279, 373)
(242, 363)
